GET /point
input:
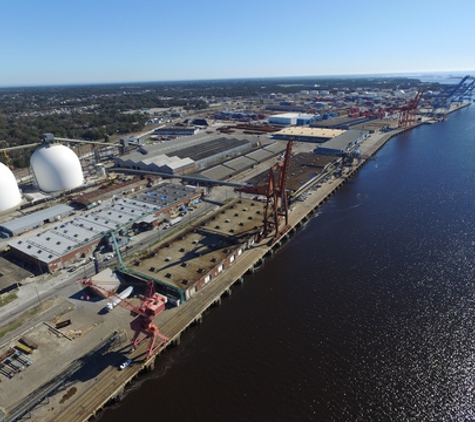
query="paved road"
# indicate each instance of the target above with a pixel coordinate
(37, 290)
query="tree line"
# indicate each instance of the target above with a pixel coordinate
(102, 112)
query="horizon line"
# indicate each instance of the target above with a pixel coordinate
(441, 73)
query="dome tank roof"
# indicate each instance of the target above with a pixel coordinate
(10, 195)
(56, 168)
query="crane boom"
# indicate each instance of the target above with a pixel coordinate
(408, 112)
(453, 93)
(275, 192)
(151, 305)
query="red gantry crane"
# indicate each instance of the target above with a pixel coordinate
(275, 191)
(407, 116)
(151, 305)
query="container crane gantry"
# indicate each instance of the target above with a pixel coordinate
(466, 95)
(407, 116)
(454, 93)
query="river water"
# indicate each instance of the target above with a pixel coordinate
(367, 314)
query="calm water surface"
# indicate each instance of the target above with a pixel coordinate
(367, 314)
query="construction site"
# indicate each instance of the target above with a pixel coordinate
(168, 239)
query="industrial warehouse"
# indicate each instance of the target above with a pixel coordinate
(184, 156)
(183, 265)
(180, 221)
(77, 237)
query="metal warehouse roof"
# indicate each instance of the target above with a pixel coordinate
(276, 147)
(240, 163)
(155, 163)
(342, 141)
(232, 166)
(88, 226)
(31, 221)
(84, 228)
(286, 115)
(260, 155)
(310, 132)
(218, 173)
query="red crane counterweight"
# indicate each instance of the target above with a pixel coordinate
(152, 306)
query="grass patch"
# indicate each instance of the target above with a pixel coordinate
(10, 327)
(7, 299)
(19, 321)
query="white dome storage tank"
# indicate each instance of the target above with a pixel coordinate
(10, 195)
(56, 168)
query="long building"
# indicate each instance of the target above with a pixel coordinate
(306, 134)
(185, 264)
(184, 155)
(176, 131)
(292, 119)
(32, 221)
(78, 236)
(235, 165)
(344, 143)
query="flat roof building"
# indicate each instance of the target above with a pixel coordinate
(292, 119)
(182, 266)
(234, 165)
(344, 143)
(77, 237)
(307, 134)
(176, 131)
(29, 222)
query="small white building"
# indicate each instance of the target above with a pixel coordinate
(292, 119)
(283, 119)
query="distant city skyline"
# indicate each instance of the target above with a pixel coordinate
(61, 43)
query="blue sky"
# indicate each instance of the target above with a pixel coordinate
(89, 41)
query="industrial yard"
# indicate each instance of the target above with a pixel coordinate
(180, 220)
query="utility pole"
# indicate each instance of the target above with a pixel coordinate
(38, 295)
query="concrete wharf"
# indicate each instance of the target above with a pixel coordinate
(107, 384)
(110, 383)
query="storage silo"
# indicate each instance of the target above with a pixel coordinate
(10, 195)
(56, 168)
